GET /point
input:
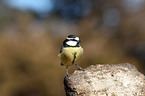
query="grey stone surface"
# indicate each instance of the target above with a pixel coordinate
(106, 80)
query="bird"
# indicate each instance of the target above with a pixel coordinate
(70, 52)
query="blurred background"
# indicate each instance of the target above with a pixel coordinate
(32, 31)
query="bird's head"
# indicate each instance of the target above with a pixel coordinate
(72, 41)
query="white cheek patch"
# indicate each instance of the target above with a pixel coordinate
(71, 43)
(77, 38)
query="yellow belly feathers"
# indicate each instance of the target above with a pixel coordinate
(67, 55)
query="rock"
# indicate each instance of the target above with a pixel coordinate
(106, 80)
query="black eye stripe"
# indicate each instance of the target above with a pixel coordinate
(73, 39)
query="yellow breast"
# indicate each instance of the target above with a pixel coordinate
(67, 55)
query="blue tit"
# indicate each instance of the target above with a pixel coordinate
(70, 52)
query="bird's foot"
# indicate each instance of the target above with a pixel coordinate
(67, 75)
(80, 67)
